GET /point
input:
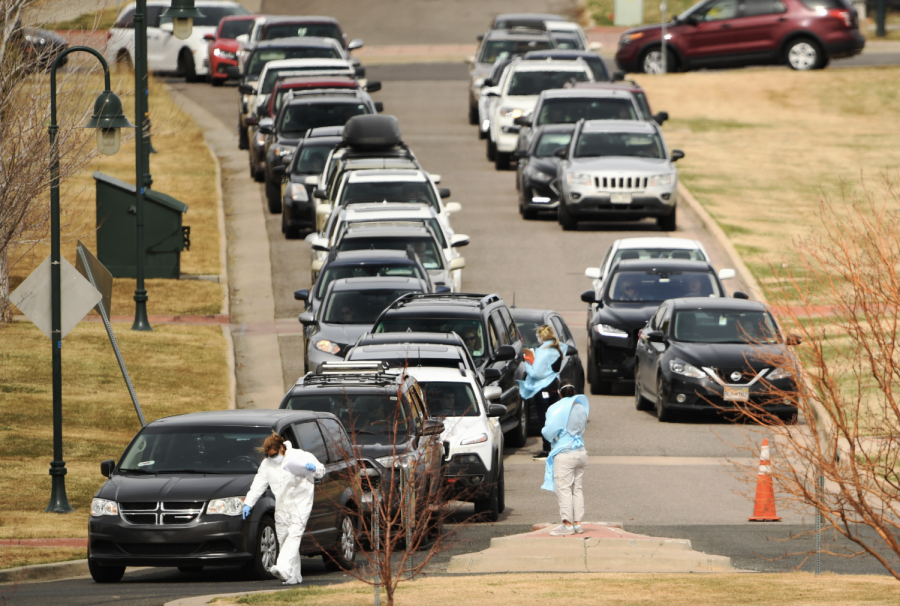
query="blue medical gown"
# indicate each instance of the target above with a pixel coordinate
(540, 374)
(554, 431)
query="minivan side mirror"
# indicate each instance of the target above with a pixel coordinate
(588, 296)
(444, 192)
(592, 272)
(355, 44)
(677, 155)
(726, 274)
(302, 294)
(106, 467)
(505, 352)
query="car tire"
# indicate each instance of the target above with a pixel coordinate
(804, 54)
(651, 61)
(290, 233)
(598, 387)
(565, 219)
(640, 402)
(343, 555)
(189, 569)
(124, 59)
(473, 115)
(488, 509)
(266, 552)
(664, 414)
(243, 139)
(273, 197)
(669, 222)
(519, 435)
(529, 214)
(186, 66)
(501, 160)
(482, 134)
(491, 150)
(105, 574)
(216, 81)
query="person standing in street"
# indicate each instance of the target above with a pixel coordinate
(564, 471)
(542, 366)
(290, 473)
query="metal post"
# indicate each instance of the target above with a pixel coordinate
(59, 502)
(662, 61)
(820, 484)
(141, 322)
(880, 16)
(376, 545)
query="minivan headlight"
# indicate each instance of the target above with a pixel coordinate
(102, 507)
(231, 506)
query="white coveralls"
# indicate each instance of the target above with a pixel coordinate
(292, 484)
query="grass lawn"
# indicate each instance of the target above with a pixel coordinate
(796, 589)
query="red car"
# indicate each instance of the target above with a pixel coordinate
(305, 83)
(804, 34)
(223, 48)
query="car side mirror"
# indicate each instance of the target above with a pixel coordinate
(561, 152)
(617, 76)
(442, 289)
(457, 263)
(302, 294)
(479, 37)
(792, 340)
(210, 37)
(504, 353)
(677, 155)
(379, 106)
(278, 171)
(491, 375)
(267, 126)
(319, 193)
(519, 154)
(592, 272)
(726, 274)
(487, 83)
(311, 180)
(655, 336)
(740, 295)
(444, 192)
(246, 89)
(307, 318)
(522, 120)
(452, 207)
(433, 427)
(571, 350)
(496, 410)
(106, 467)
(661, 117)
(355, 44)
(459, 240)
(493, 392)
(589, 296)
(491, 93)
(373, 87)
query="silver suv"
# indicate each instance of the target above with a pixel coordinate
(618, 170)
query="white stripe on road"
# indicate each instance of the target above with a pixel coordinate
(647, 461)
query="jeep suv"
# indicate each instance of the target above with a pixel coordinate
(490, 333)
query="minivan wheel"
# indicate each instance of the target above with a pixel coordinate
(266, 553)
(105, 574)
(519, 435)
(343, 555)
(803, 55)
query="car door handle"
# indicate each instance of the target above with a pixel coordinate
(782, 18)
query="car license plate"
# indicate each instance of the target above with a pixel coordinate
(737, 394)
(620, 198)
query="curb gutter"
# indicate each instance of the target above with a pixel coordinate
(45, 572)
(203, 600)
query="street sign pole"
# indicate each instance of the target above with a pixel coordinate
(142, 179)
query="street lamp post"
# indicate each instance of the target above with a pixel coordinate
(182, 13)
(107, 119)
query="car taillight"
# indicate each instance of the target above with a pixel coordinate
(842, 14)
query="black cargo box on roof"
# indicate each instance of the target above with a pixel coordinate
(372, 131)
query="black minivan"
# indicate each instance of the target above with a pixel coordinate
(175, 497)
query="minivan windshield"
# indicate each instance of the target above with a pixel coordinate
(200, 449)
(651, 286)
(360, 411)
(425, 248)
(368, 270)
(360, 306)
(417, 192)
(725, 326)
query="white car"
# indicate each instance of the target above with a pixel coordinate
(295, 67)
(572, 29)
(472, 435)
(165, 52)
(522, 84)
(388, 214)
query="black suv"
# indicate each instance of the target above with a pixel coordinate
(176, 495)
(490, 333)
(298, 209)
(370, 400)
(630, 295)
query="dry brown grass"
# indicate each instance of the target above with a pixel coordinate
(98, 417)
(763, 146)
(184, 169)
(797, 589)
(16, 555)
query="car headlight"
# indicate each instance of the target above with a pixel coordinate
(779, 373)
(538, 175)
(610, 331)
(232, 506)
(510, 112)
(299, 193)
(283, 151)
(476, 439)
(396, 460)
(657, 180)
(260, 138)
(224, 54)
(478, 83)
(629, 38)
(578, 179)
(688, 370)
(328, 347)
(102, 507)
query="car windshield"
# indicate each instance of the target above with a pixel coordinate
(652, 286)
(330, 274)
(570, 111)
(471, 331)
(659, 253)
(311, 158)
(434, 224)
(638, 145)
(417, 192)
(202, 449)
(534, 83)
(498, 49)
(302, 30)
(425, 248)
(361, 306)
(365, 412)
(212, 15)
(725, 326)
(233, 29)
(299, 118)
(445, 399)
(550, 142)
(259, 59)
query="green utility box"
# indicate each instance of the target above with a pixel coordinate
(164, 235)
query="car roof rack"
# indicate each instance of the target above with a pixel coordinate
(483, 300)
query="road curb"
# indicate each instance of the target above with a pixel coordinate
(44, 572)
(203, 600)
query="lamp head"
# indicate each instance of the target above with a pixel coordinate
(108, 119)
(182, 13)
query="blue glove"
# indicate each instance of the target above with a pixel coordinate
(311, 466)
(246, 511)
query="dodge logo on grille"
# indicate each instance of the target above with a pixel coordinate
(736, 376)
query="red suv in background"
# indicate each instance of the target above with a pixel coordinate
(223, 47)
(804, 34)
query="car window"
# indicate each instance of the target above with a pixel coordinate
(311, 440)
(510, 325)
(598, 67)
(471, 331)
(568, 43)
(639, 145)
(153, 13)
(605, 259)
(311, 158)
(570, 111)
(651, 286)
(719, 11)
(492, 50)
(655, 318)
(725, 326)
(302, 30)
(534, 83)
(232, 29)
(642, 103)
(336, 441)
(562, 332)
(495, 342)
(426, 249)
(416, 192)
(126, 21)
(751, 8)
(368, 270)
(302, 117)
(259, 59)
(361, 306)
(369, 413)
(417, 405)
(664, 321)
(550, 142)
(659, 253)
(450, 399)
(499, 329)
(529, 333)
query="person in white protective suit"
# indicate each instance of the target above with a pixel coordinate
(290, 473)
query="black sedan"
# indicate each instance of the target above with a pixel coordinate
(537, 170)
(702, 354)
(175, 497)
(632, 293)
(39, 47)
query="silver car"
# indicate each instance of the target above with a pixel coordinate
(618, 170)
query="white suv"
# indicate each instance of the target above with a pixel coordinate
(165, 52)
(472, 436)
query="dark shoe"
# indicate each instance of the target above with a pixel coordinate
(540, 455)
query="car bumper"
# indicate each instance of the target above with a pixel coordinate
(848, 45)
(467, 479)
(613, 357)
(539, 196)
(598, 206)
(223, 69)
(506, 142)
(628, 59)
(300, 214)
(699, 395)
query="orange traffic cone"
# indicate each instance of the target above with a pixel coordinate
(764, 505)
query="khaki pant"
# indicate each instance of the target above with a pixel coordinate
(568, 471)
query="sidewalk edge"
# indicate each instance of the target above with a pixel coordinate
(44, 572)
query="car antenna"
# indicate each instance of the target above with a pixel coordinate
(514, 300)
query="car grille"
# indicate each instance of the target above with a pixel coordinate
(747, 375)
(621, 183)
(613, 356)
(159, 549)
(165, 513)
